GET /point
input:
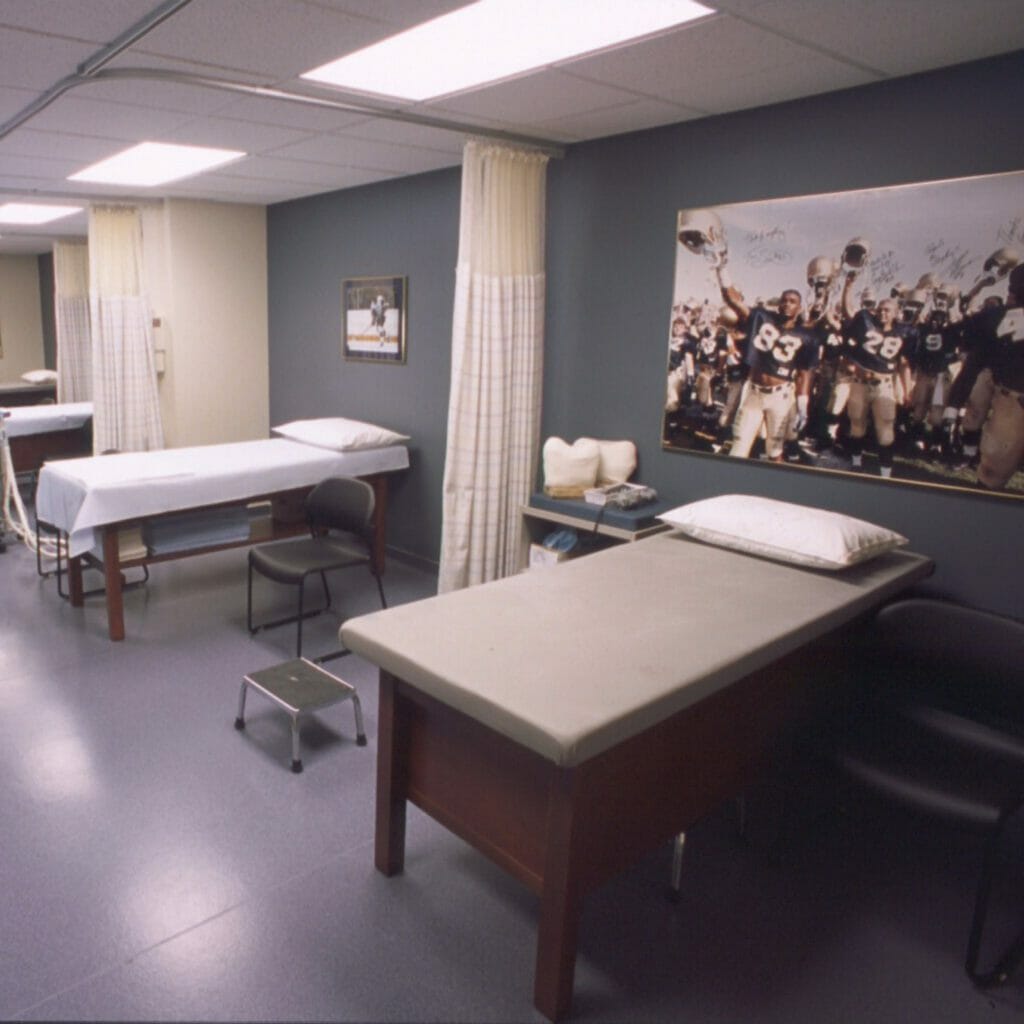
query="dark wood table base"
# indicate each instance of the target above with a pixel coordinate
(563, 831)
(112, 566)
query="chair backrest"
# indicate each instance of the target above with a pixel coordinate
(341, 503)
(948, 649)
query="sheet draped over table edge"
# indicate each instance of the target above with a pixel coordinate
(80, 495)
(26, 420)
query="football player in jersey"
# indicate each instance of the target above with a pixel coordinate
(995, 337)
(935, 350)
(876, 366)
(782, 354)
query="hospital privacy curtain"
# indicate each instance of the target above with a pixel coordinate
(126, 409)
(71, 316)
(497, 352)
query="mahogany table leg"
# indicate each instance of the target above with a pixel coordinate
(379, 483)
(76, 590)
(561, 902)
(392, 750)
(112, 581)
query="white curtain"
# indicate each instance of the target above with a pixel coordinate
(497, 352)
(71, 313)
(126, 415)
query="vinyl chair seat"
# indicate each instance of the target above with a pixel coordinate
(924, 775)
(339, 514)
(290, 561)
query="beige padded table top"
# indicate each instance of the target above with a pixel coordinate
(572, 659)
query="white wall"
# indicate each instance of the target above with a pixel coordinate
(21, 325)
(207, 269)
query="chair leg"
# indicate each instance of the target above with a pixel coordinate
(675, 882)
(1009, 961)
(248, 602)
(298, 637)
(327, 591)
(360, 731)
(380, 590)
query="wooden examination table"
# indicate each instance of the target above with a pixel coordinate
(569, 719)
(91, 500)
(40, 432)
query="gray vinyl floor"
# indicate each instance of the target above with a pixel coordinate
(160, 865)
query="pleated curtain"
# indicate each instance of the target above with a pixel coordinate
(71, 316)
(497, 363)
(126, 415)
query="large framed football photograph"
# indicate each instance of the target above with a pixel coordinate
(373, 316)
(877, 333)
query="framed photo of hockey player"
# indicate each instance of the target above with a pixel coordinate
(373, 318)
(877, 333)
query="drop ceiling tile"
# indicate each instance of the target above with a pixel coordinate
(403, 133)
(82, 149)
(634, 116)
(289, 114)
(686, 67)
(97, 21)
(13, 101)
(38, 166)
(301, 171)
(233, 134)
(897, 38)
(529, 99)
(32, 61)
(278, 39)
(345, 150)
(400, 14)
(119, 122)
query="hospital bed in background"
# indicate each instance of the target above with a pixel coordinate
(21, 393)
(239, 494)
(37, 433)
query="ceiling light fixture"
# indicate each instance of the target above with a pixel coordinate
(495, 39)
(155, 163)
(34, 213)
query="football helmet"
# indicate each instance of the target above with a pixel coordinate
(868, 299)
(1002, 261)
(928, 282)
(898, 290)
(911, 304)
(944, 296)
(856, 253)
(820, 273)
(701, 232)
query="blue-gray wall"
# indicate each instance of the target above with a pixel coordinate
(610, 262)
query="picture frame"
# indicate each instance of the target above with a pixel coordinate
(922, 400)
(374, 313)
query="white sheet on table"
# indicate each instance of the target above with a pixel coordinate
(79, 495)
(46, 419)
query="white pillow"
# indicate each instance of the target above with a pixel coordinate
(617, 461)
(783, 531)
(569, 469)
(40, 377)
(339, 434)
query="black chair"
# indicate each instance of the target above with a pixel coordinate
(339, 513)
(934, 723)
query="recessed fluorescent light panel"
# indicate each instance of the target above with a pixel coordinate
(155, 163)
(34, 213)
(494, 39)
